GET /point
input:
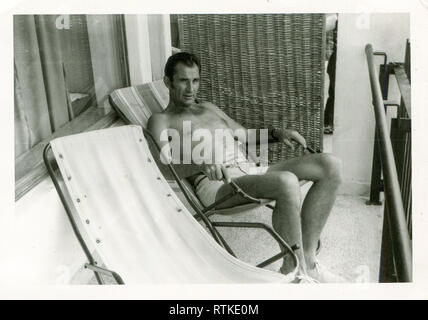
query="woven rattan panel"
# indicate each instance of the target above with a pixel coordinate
(262, 69)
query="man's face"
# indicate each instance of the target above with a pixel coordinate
(185, 85)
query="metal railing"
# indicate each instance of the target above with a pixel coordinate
(396, 254)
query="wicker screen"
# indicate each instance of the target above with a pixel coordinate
(262, 69)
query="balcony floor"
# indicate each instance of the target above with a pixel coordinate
(350, 240)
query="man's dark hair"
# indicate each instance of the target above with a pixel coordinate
(188, 59)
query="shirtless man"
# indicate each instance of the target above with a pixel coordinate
(301, 225)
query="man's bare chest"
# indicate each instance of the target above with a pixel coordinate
(188, 124)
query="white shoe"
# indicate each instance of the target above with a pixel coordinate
(323, 275)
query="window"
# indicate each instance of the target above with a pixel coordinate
(65, 68)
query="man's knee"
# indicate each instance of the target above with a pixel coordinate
(288, 185)
(332, 167)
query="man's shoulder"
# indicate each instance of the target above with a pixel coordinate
(158, 120)
(209, 105)
(160, 116)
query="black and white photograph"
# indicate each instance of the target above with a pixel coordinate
(176, 146)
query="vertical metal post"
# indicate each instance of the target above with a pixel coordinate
(398, 146)
(376, 185)
(384, 72)
(407, 60)
(401, 144)
(387, 271)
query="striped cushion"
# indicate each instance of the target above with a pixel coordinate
(137, 103)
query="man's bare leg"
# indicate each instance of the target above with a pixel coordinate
(325, 171)
(285, 189)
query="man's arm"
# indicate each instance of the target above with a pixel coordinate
(157, 126)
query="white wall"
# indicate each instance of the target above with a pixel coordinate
(149, 46)
(354, 116)
(137, 41)
(160, 43)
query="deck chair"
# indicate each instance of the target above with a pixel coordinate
(123, 210)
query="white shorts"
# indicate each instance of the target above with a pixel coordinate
(206, 189)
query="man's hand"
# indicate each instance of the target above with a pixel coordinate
(288, 135)
(216, 172)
